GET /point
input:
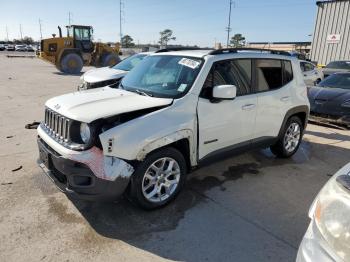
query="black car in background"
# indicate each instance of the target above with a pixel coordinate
(336, 67)
(330, 100)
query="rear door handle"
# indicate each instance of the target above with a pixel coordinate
(285, 98)
(248, 107)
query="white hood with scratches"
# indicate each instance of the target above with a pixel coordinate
(89, 105)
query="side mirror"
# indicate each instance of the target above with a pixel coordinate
(224, 92)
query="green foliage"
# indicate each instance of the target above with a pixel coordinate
(238, 40)
(165, 36)
(127, 41)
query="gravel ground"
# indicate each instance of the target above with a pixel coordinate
(251, 207)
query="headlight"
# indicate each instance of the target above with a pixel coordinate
(331, 212)
(82, 85)
(85, 133)
(346, 104)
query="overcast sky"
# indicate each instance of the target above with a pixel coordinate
(200, 22)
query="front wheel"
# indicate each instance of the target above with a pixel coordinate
(290, 140)
(71, 64)
(158, 179)
(110, 60)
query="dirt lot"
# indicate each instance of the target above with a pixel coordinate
(251, 207)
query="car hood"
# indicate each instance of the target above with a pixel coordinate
(329, 94)
(329, 71)
(103, 74)
(89, 105)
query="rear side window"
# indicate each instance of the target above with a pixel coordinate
(287, 72)
(272, 74)
(269, 74)
(236, 72)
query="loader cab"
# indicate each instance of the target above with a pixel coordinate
(82, 37)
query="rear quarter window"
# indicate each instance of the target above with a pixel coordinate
(272, 74)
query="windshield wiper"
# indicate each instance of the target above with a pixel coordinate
(137, 91)
(141, 92)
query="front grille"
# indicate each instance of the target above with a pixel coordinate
(57, 126)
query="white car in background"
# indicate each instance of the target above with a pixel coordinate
(21, 48)
(312, 75)
(328, 235)
(105, 76)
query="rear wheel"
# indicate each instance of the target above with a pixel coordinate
(71, 64)
(110, 60)
(289, 141)
(158, 179)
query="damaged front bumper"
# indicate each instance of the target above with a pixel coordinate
(88, 175)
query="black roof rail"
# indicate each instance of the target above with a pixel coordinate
(236, 50)
(170, 49)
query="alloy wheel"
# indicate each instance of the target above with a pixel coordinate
(292, 137)
(161, 179)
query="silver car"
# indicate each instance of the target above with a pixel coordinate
(328, 235)
(99, 77)
(312, 75)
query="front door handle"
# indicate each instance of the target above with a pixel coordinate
(248, 107)
(285, 98)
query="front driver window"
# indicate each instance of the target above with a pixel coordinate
(229, 72)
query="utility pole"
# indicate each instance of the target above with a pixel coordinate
(20, 30)
(121, 5)
(69, 18)
(41, 35)
(7, 34)
(228, 28)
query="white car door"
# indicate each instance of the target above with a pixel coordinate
(226, 123)
(274, 84)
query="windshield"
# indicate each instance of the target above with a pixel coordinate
(130, 62)
(339, 65)
(163, 76)
(336, 81)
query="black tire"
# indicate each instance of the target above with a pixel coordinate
(279, 149)
(110, 60)
(136, 194)
(71, 64)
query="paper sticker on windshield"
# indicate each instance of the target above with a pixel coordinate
(189, 63)
(182, 87)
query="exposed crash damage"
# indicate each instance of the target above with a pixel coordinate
(104, 167)
(168, 114)
(78, 167)
(169, 139)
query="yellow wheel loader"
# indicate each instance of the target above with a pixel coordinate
(72, 52)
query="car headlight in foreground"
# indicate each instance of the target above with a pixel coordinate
(331, 212)
(85, 133)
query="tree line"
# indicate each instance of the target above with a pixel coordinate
(238, 40)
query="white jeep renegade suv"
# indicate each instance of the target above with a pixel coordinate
(171, 113)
